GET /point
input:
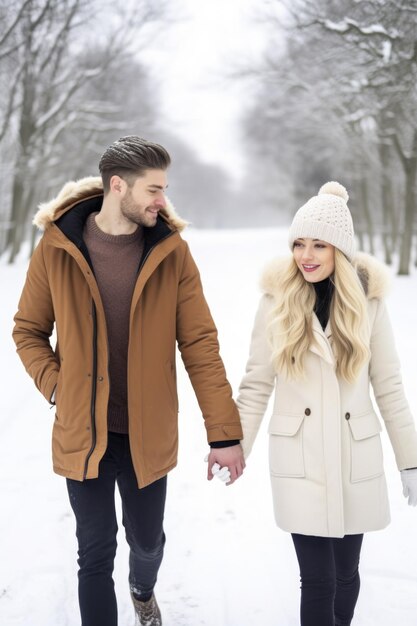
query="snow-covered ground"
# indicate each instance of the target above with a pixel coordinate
(226, 563)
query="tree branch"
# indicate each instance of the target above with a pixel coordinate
(347, 25)
(13, 25)
(10, 107)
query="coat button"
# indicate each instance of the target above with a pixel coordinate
(347, 416)
(307, 412)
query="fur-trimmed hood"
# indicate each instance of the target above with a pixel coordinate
(74, 192)
(373, 275)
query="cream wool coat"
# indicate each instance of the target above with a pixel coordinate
(325, 452)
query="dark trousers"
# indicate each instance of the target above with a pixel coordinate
(93, 504)
(329, 578)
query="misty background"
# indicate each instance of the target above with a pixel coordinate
(259, 102)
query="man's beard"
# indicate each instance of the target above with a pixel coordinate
(134, 213)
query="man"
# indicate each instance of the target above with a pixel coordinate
(114, 276)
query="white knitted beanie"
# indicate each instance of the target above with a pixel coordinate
(326, 217)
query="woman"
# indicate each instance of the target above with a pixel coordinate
(321, 335)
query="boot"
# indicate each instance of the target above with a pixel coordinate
(147, 613)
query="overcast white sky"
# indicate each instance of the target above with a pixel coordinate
(189, 61)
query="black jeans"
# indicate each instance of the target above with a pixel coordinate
(329, 578)
(94, 506)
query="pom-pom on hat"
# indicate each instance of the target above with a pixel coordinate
(326, 217)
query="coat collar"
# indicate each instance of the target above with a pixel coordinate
(75, 192)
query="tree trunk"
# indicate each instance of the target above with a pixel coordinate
(17, 233)
(359, 235)
(390, 223)
(367, 214)
(410, 209)
(33, 240)
(21, 177)
(410, 171)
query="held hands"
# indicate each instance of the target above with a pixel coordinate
(409, 481)
(227, 464)
(222, 473)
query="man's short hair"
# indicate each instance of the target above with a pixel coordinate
(129, 157)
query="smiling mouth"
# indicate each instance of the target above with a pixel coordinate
(310, 268)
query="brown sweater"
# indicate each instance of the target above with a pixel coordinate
(115, 260)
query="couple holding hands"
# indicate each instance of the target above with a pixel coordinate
(116, 280)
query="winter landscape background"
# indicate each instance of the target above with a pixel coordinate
(225, 563)
(259, 102)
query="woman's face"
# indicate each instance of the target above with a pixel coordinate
(314, 258)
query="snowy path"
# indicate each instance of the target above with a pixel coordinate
(226, 564)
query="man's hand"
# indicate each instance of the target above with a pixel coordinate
(231, 457)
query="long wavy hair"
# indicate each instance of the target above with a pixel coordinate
(290, 328)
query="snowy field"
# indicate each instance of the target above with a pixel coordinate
(226, 563)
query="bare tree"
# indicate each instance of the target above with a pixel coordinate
(57, 72)
(386, 35)
(343, 99)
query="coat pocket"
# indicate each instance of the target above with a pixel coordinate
(57, 389)
(170, 378)
(286, 455)
(365, 447)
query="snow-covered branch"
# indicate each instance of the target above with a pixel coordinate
(347, 24)
(63, 99)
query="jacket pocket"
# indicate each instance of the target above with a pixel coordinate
(286, 454)
(57, 388)
(170, 378)
(365, 447)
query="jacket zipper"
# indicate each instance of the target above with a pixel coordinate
(93, 392)
(142, 263)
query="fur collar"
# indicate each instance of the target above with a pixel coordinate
(372, 273)
(77, 191)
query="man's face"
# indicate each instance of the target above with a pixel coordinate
(142, 202)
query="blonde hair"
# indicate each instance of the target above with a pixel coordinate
(291, 325)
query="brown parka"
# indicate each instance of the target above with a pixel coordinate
(168, 308)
